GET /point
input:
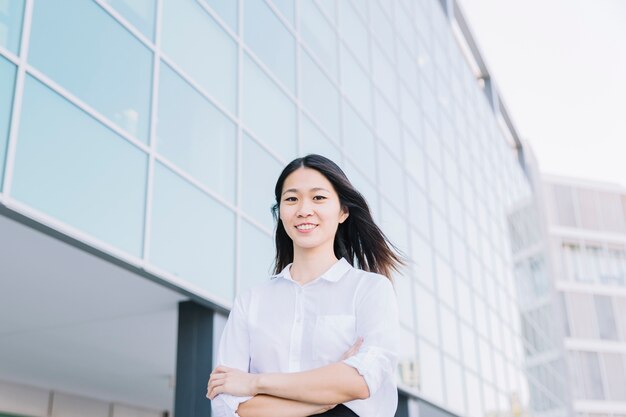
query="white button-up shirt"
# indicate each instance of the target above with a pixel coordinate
(282, 326)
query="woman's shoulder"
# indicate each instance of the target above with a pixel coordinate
(369, 279)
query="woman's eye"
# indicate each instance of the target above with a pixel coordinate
(290, 199)
(320, 196)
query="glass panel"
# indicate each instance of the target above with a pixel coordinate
(590, 366)
(192, 236)
(259, 174)
(454, 386)
(354, 32)
(430, 371)
(564, 205)
(415, 161)
(358, 141)
(394, 226)
(257, 257)
(193, 40)
(114, 78)
(422, 256)
(319, 95)
(313, 141)
(7, 86)
(227, 11)
(270, 40)
(615, 375)
(589, 215)
(407, 365)
(387, 123)
(268, 112)
(286, 8)
(449, 332)
(140, 13)
(11, 14)
(85, 176)
(606, 319)
(391, 178)
(356, 84)
(193, 134)
(319, 35)
(582, 315)
(384, 75)
(427, 326)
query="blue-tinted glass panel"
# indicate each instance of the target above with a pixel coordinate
(195, 135)
(257, 256)
(356, 84)
(358, 141)
(7, 86)
(95, 58)
(140, 13)
(319, 35)
(286, 9)
(313, 141)
(354, 32)
(270, 40)
(202, 48)
(394, 226)
(391, 177)
(192, 236)
(319, 96)
(226, 9)
(387, 123)
(267, 111)
(74, 169)
(259, 174)
(11, 14)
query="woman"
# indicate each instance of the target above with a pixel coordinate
(320, 337)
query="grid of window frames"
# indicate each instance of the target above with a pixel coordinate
(159, 127)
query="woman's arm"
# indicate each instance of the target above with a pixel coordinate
(266, 405)
(331, 384)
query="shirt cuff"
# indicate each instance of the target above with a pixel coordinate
(225, 405)
(372, 364)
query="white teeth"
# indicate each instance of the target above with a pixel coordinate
(305, 227)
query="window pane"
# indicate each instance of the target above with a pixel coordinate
(7, 86)
(606, 320)
(358, 141)
(140, 13)
(286, 9)
(356, 84)
(407, 364)
(564, 205)
(95, 58)
(85, 175)
(391, 177)
(259, 174)
(227, 11)
(268, 112)
(11, 14)
(192, 236)
(193, 134)
(270, 40)
(313, 141)
(394, 226)
(319, 95)
(430, 371)
(257, 256)
(427, 325)
(319, 35)
(615, 375)
(193, 40)
(354, 32)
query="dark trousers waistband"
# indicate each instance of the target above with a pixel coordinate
(339, 411)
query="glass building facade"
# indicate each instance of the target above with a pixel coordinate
(153, 131)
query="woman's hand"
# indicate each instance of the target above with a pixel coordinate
(354, 349)
(231, 381)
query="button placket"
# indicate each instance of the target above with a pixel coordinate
(296, 334)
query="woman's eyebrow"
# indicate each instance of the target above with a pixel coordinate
(295, 190)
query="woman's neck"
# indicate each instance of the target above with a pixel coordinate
(308, 265)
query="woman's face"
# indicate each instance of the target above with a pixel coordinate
(310, 209)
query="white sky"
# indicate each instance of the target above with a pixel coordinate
(560, 66)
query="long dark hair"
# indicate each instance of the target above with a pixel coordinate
(357, 238)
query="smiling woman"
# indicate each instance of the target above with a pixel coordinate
(320, 337)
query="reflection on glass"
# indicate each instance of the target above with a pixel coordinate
(319, 35)
(267, 111)
(286, 8)
(193, 134)
(313, 141)
(140, 13)
(192, 236)
(7, 85)
(85, 176)
(95, 58)
(11, 14)
(259, 174)
(227, 10)
(257, 256)
(270, 40)
(202, 48)
(319, 95)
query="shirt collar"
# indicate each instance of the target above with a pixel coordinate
(333, 274)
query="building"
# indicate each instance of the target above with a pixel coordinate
(575, 270)
(140, 142)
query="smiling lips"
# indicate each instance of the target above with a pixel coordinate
(305, 227)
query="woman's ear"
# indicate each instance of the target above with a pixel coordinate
(344, 215)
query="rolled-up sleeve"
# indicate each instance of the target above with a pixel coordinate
(377, 323)
(233, 352)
